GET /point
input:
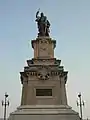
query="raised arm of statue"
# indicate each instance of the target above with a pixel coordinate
(37, 13)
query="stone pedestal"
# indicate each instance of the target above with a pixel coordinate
(44, 86)
(44, 112)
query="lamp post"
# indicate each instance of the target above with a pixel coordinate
(5, 103)
(80, 104)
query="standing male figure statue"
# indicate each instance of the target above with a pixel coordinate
(43, 24)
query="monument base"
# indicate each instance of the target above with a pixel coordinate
(44, 112)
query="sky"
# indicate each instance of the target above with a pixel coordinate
(70, 27)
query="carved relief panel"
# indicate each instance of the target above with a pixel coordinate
(43, 48)
(43, 74)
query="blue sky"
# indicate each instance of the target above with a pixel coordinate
(70, 26)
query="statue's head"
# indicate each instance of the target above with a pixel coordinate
(42, 14)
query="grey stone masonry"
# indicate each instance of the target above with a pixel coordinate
(44, 86)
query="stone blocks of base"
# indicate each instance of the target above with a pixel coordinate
(44, 112)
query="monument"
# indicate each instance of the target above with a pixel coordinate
(43, 81)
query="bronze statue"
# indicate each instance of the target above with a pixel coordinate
(43, 24)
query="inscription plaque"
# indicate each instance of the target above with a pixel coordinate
(43, 92)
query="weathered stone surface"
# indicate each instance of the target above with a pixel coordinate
(44, 73)
(43, 47)
(45, 112)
